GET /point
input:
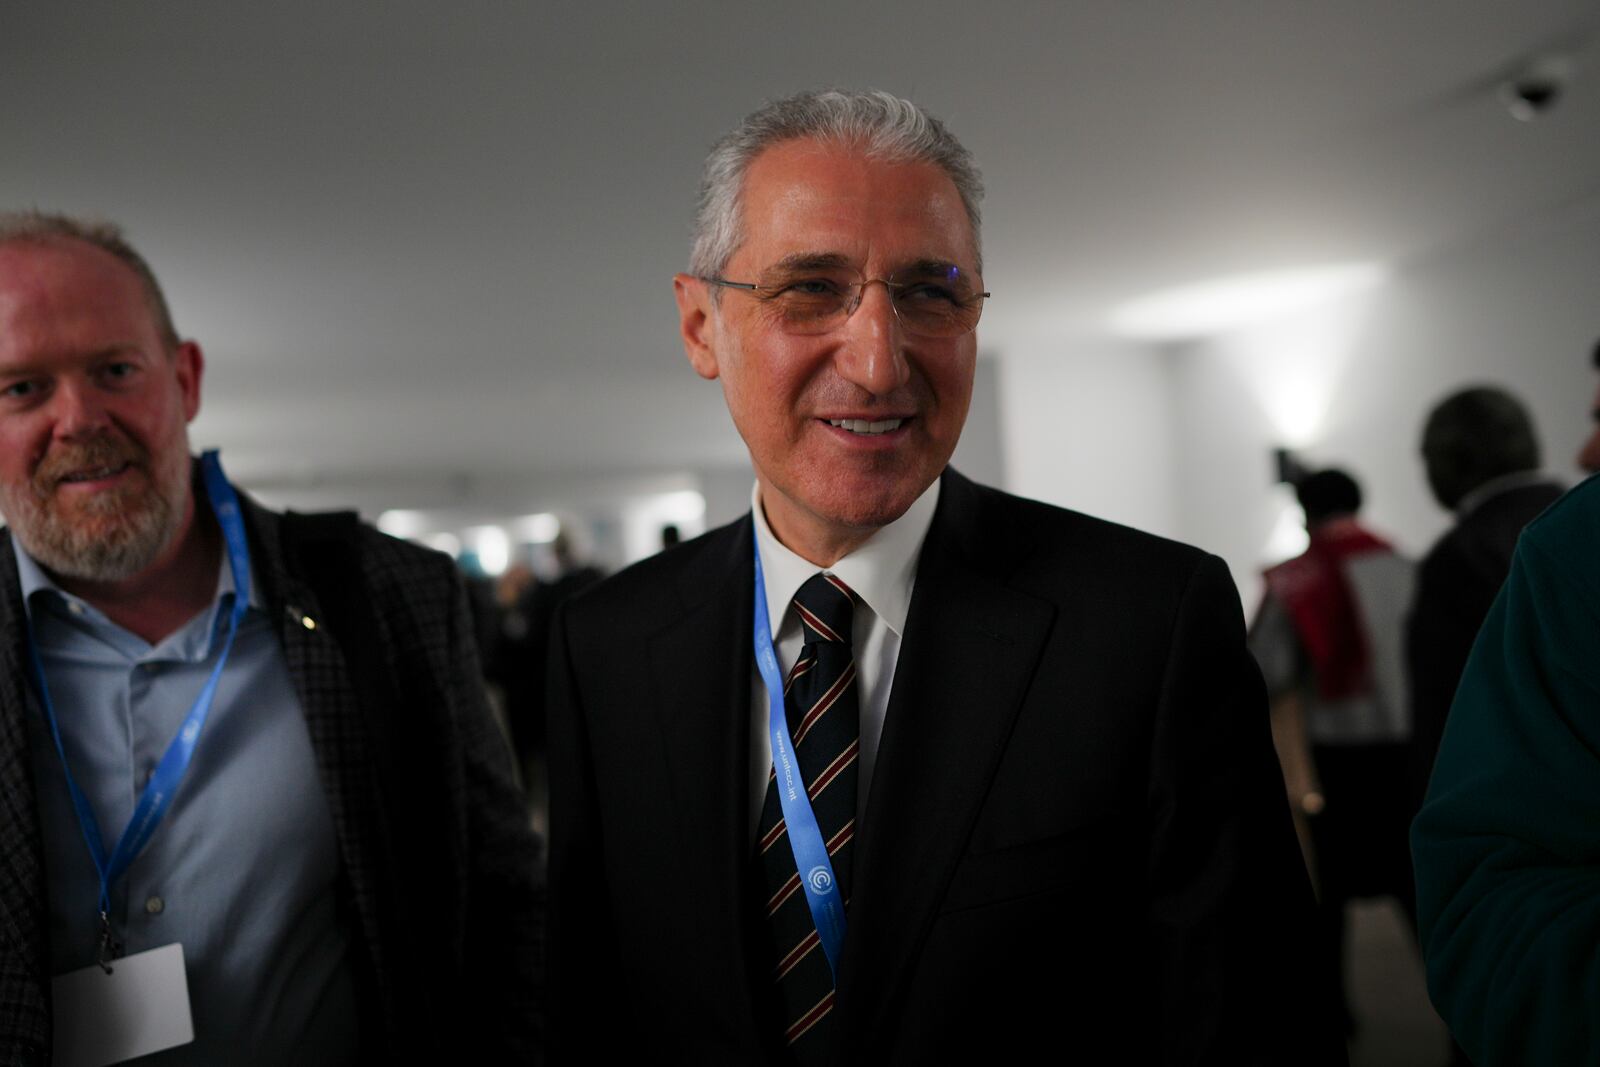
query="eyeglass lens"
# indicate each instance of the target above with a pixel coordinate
(938, 300)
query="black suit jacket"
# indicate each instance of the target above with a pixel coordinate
(1077, 834)
(1456, 584)
(437, 862)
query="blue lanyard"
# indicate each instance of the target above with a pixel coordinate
(805, 839)
(158, 792)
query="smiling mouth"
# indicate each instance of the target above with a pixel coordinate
(95, 474)
(862, 426)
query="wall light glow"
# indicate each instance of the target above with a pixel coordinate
(683, 506)
(447, 543)
(643, 519)
(1294, 367)
(537, 529)
(406, 525)
(1288, 538)
(1203, 310)
(493, 547)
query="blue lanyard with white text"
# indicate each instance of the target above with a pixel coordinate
(163, 784)
(805, 838)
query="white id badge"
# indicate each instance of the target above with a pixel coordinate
(142, 1006)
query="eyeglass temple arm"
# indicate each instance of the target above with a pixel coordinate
(755, 288)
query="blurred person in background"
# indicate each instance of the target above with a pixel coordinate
(1328, 638)
(527, 607)
(1482, 462)
(509, 657)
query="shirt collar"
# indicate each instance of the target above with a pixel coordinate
(33, 580)
(881, 571)
(1504, 483)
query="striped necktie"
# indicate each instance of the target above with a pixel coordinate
(820, 703)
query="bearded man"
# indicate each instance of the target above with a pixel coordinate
(254, 809)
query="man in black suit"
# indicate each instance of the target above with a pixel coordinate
(1034, 746)
(1482, 462)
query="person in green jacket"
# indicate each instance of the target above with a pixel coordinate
(1507, 846)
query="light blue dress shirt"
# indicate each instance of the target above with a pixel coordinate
(242, 871)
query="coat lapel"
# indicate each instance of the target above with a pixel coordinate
(333, 720)
(23, 921)
(332, 717)
(969, 652)
(701, 673)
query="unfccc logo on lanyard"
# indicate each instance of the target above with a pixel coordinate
(805, 839)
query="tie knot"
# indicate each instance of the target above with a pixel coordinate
(826, 607)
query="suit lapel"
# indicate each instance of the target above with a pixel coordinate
(969, 652)
(701, 672)
(332, 717)
(23, 921)
(333, 721)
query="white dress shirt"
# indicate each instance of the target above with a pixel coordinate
(882, 572)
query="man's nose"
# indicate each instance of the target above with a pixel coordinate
(873, 353)
(78, 409)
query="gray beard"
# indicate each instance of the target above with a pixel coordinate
(129, 531)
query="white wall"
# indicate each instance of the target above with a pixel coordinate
(1178, 440)
(1087, 424)
(980, 455)
(1351, 383)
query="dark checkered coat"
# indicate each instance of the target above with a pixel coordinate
(442, 907)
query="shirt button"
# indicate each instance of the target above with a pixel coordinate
(154, 906)
(75, 607)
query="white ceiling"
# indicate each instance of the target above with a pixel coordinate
(422, 240)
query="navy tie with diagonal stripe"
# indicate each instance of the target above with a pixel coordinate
(820, 701)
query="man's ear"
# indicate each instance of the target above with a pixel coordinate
(189, 366)
(697, 323)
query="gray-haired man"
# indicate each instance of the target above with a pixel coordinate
(899, 768)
